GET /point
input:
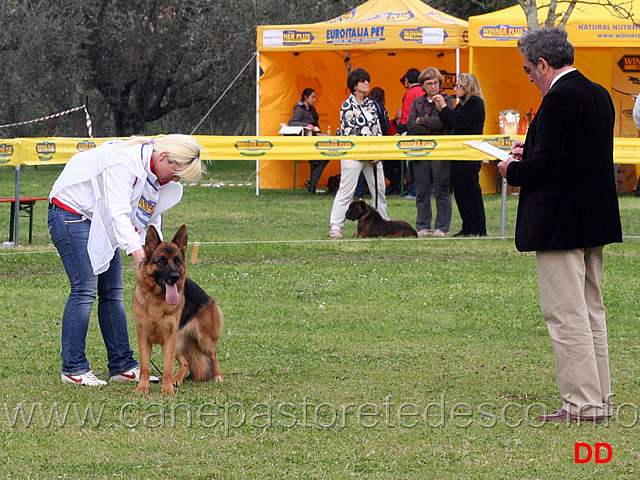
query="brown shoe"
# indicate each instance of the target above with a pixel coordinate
(564, 416)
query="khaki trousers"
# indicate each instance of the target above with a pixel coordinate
(574, 311)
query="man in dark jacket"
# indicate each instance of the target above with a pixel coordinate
(567, 212)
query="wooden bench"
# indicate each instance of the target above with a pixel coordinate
(26, 206)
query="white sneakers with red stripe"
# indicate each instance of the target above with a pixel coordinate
(91, 380)
(132, 375)
(85, 379)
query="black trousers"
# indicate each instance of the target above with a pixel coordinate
(392, 170)
(468, 195)
(317, 167)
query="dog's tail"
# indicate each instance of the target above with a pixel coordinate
(200, 366)
(200, 354)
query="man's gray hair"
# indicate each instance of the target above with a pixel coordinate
(548, 43)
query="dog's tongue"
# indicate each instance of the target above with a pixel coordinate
(171, 295)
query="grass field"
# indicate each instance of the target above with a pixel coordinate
(349, 359)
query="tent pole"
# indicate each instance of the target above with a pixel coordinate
(257, 118)
(503, 213)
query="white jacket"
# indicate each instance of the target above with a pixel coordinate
(114, 188)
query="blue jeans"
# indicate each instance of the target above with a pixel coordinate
(70, 233)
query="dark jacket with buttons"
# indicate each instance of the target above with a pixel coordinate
(568, 197)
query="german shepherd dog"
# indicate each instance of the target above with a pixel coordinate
(371, 223)
(173, 311)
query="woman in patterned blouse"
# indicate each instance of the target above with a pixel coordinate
(358, 117)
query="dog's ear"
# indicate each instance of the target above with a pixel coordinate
(181, 238)
(151, 240)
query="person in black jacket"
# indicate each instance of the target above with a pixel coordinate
(305, 115)
(466, 119)
(424, 119)
(567, 212)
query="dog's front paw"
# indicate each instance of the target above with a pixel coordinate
(144, 390)
(168, 390)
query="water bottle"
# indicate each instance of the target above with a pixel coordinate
(328, 130)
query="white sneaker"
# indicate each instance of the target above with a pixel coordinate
(425, 232)
(335, 233)
(85, 379)
(132, 375)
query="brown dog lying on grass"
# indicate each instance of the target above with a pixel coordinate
(371, 223)
(174, 312)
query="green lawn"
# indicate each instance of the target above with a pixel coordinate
(349, 359)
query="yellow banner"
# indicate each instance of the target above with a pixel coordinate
(589, 25)
(360, 36)
(43, 151)
(355, 148)
(376, 24)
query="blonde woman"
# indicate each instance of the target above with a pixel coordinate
(467, 118)
(103, 201)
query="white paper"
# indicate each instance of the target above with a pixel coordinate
(272, 38)
(432, 36)
(290, 130)
(489, 149)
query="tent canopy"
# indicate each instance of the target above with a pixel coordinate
(385, 37)
(607, 50)
(373, 25)
(590, 25)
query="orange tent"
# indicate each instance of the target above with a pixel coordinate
(385, 37)
(607, 50)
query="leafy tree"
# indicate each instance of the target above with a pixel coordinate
(470, 8)
(145, 66)
(43, 66)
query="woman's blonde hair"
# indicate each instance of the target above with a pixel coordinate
(182, 149)
(470, 83)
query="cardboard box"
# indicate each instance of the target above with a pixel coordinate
(626, 178)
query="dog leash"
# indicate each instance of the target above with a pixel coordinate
(154, 366)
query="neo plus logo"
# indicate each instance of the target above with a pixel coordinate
(584, 452)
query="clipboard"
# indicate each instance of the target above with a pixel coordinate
(488, 149)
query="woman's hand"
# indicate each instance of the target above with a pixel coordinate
(439, 101)
(138, 256)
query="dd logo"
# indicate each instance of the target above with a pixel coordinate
(597, 447)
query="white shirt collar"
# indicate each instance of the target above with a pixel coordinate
(559, 77)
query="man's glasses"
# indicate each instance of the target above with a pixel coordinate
(527, 70)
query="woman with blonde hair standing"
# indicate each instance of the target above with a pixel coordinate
(467, 118)
(103, 202)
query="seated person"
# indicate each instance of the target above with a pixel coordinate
(305, 115)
